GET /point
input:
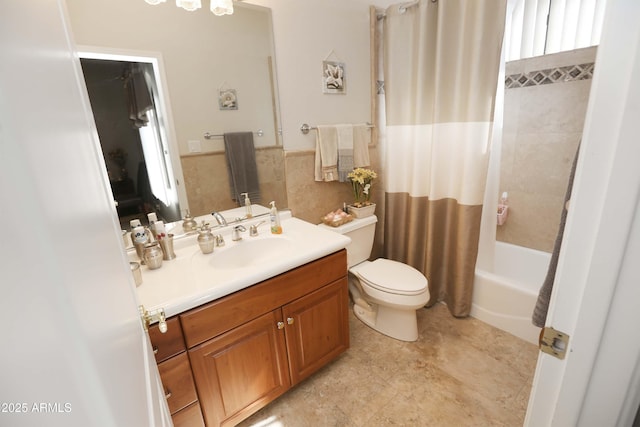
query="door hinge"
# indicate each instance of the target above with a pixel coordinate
(152, 316)
(553, 342)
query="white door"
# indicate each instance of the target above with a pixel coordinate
(596, 294)
(73, 351)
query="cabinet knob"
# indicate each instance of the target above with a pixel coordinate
(167, 394)
(289, 320)
(280, 325)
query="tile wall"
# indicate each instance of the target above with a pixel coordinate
(545, 104)
(207, 181)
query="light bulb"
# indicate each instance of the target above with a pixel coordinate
(189, 5)
(155, 2)
(222, 7)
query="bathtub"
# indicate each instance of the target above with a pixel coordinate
(506, 296)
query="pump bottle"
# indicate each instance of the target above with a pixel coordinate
(276, 228)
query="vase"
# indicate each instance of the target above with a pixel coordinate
(363, 211)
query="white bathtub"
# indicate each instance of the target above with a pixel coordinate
(505, 297)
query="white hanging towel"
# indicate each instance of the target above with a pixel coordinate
(345, 151)
(361, 140)
(340, 149)
(326, 164)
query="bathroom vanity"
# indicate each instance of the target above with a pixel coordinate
(228, 353)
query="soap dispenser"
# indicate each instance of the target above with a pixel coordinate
(274, 216)
(188, 223)
(247, 205)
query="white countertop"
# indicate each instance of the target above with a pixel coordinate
(193, 278)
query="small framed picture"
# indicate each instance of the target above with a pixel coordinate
(333, 77)
(228, 99)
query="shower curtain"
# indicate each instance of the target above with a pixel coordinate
(441, 63)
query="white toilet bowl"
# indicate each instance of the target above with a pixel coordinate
(386, 295)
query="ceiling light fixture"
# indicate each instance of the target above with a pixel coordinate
(189, 5)
(218, 7)
(222, 7)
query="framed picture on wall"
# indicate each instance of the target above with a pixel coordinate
(333, 77)
(228, 99)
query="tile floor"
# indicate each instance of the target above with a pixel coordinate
(460, 372)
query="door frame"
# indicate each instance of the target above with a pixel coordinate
(157, 62)
(596, 270)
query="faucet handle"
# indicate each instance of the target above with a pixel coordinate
(253, 230)
(235, 234)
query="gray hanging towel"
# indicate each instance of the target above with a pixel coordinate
(241, 166)
(539, 316)
(138, 96)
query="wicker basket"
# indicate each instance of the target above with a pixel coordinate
(338, 223)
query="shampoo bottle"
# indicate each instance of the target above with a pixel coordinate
(276, 228)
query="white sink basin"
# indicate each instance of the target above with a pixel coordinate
(250, 252)
(194, 278)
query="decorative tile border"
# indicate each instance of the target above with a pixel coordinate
(536, 78)
(551, 75)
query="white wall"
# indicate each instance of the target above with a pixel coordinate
(306, 31)
(192, 45)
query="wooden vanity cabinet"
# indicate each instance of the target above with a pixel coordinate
(250, 347)
(176, 375)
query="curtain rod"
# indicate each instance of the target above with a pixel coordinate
(402, 8)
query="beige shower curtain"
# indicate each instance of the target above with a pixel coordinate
(441, 62)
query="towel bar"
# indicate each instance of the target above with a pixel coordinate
(208, 135)
(305, 128)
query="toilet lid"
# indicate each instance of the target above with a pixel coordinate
(393, 277)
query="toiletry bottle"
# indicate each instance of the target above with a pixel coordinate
(276, 228)
(247, 205)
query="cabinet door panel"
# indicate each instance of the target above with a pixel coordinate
(317, 329)
(241, 370)
(168, 344)
(177, 382)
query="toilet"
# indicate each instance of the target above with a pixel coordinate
(386, 293)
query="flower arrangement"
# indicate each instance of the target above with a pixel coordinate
(361, 181)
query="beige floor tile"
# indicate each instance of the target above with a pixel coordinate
(460, 372)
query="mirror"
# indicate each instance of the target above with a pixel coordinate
(200, 57)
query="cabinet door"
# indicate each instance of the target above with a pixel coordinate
(317, 329)
(177, 382)
(241, 371)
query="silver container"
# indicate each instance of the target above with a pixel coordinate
(166, 243)
(206, 240)
(153, 255)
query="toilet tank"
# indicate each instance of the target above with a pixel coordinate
(361, 232)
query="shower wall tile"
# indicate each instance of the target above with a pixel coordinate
(554, 108)
(542, 129)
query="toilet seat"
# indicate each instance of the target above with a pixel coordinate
(392, 277)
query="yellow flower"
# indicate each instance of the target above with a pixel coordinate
(361, 181)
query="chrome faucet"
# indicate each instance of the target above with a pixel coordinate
(235, 234)
(219, 218)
